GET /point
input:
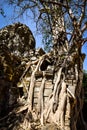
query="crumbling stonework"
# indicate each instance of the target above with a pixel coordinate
(18, 38)
(16, 43)
(40, 90)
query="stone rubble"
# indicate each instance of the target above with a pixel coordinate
(18, 61)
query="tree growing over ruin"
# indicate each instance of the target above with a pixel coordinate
(63, 24)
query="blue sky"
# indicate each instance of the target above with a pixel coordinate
(9, 12)
(31, 24)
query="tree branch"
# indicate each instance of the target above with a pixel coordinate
(83, 12)
(56, 3)
(47, 15)
(84, 27)
(84, 41)
(69, 11)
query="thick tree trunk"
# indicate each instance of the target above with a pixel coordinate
(61, 102)
(63, 106)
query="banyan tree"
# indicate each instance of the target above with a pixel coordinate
(51, 83)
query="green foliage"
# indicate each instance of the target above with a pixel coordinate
(85, 79)
(85, 85)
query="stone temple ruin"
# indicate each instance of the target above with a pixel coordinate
(32, 92)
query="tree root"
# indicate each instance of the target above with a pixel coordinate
(40, 98)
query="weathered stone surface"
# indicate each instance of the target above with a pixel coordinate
(50, 91)
(18, 38)
(16, 41)
(50, 127)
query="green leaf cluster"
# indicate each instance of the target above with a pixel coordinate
(85, 85)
